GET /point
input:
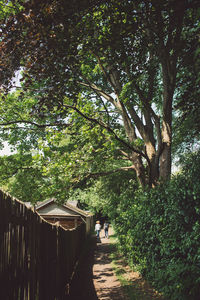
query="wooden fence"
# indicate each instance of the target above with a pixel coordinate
(37, 259)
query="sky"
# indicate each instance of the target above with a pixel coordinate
(6, 150)
(16, 81)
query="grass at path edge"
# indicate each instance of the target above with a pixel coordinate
(133, 289)
(118, 267)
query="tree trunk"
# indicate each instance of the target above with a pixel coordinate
(169, 80)
(139, 168)
(153, 173)
(165, 157)
(165, 162)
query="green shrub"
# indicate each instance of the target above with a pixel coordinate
(160, 232)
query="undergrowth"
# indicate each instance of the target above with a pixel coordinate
(134, 288)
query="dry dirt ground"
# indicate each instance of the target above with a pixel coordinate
(106, 284)
(95, 278)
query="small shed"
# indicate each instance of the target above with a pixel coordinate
(67, 215)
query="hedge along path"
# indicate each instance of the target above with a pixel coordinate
(106, 283)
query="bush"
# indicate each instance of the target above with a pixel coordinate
(160, 232)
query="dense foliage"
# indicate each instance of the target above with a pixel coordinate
(120, 65)
(58, 158)
(160, 232)
(23, 178)
(105, 90)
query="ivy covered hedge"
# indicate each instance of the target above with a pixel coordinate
(160, 233)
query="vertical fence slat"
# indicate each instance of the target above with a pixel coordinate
(37, 259)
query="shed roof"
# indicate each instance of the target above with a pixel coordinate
(74, 203)
(59, 209)
(76, 209)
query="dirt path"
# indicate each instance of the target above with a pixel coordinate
(106, 284)
(95, 278)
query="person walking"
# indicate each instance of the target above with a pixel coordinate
(98, 228)
(106, 227)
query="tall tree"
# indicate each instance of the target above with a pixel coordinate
(113, 63)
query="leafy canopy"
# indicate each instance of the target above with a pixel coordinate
(121, 66)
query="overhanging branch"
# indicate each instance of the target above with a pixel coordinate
(95, 88)
(101, 174)
(34, 124)
(100, 123)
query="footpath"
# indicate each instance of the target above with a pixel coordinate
(95, 278)
(106, 284)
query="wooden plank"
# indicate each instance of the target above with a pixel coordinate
(37, 259)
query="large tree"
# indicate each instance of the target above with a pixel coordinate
(117, 64)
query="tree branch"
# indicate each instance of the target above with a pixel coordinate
(130, 130)
(34, 124)
(101, 174)
(100, 123)
(95, 88)
(110, 75)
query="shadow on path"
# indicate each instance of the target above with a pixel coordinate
(106, 283)
(82, 287)
(94, 278)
